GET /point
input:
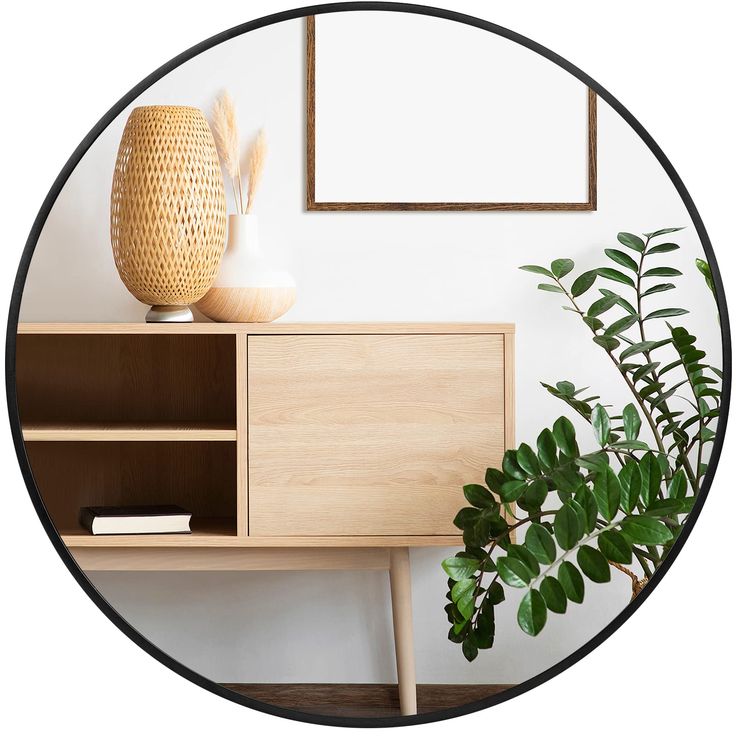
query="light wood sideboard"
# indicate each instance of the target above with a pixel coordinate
(295, 446)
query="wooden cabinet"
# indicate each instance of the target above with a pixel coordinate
(356, 435)
(351, 440)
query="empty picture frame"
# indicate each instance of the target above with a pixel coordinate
(412, 112)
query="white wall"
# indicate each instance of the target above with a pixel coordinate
(373, 266)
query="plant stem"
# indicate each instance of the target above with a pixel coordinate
(632, 388)
(655, 374)
(493, 546)
(595, 533)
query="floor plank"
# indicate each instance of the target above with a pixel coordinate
(361, 701)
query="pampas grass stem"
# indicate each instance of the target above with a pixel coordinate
(255, 167)
(227, 140)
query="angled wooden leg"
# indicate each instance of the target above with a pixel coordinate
(400, 577)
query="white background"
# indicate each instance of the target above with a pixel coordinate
(679, 637)
(371, 266)
(455, 114)
(288, 627)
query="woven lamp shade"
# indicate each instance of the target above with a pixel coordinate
(167, 211)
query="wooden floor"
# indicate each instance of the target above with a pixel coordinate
(362, 701)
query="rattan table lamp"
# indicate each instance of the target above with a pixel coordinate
(167, 210)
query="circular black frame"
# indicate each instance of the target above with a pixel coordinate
(17, 434)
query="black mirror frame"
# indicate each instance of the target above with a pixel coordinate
(66, 556)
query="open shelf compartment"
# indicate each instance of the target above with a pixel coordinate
(89, 387)
(200, 477)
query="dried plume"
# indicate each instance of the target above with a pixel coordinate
(227, 139)
(255, 167)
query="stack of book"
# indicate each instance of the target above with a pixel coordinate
(136, 519)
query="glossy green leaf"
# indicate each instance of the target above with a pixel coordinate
(602, 305)
(538, 270)
(658, 289)
(593, 564)
(668, 506)
(645, 530)
(470, 649)
(661, 271)
(582, 283)
(614, 275)
(562, 266)
(511, 467)
(532, 615)
(459, 632)
(535, 494)
(630, 482)
(527, 460)
(662, 248)
(615, 547)
(644, 370)
(580, 513)
(547, 449)
(513, 572)
(607, 492)
(495, 479)
(631, 241)
(520, 552)
(629, 445)
(567, 527)
(564, 435)
(607, 342)
(460, 568)
(601, 424)
(661, 313)
(540, 543)
(631, 421)
(664, 231)
(593, 461)
(553, 594)
(704, 268)
(550, 287)
(677, 487)
(496, 593)
(623, 259)
(585, 498)
(621, 325)
(593, 322)
(566, 388)
(466, 518)
(512, 489)
(463, 595)
(485, 628)
(572, 582)
(479, 496)
(620, 300)
(641, 347)
(651, 478)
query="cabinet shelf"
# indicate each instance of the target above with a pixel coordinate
(206, 532)
(129, 432)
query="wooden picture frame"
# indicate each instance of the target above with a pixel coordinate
(314, 205)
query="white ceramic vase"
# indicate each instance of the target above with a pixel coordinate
(247, 287)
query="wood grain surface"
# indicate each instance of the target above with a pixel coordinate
(370, 435)
(358, 700)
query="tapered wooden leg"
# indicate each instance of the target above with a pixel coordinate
(400, 576)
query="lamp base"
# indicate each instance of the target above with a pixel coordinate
(166, 313)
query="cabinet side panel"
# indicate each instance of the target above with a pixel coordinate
(509, 390)
(370, 434)
(241, 424)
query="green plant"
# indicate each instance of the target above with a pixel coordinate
(620, 504)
